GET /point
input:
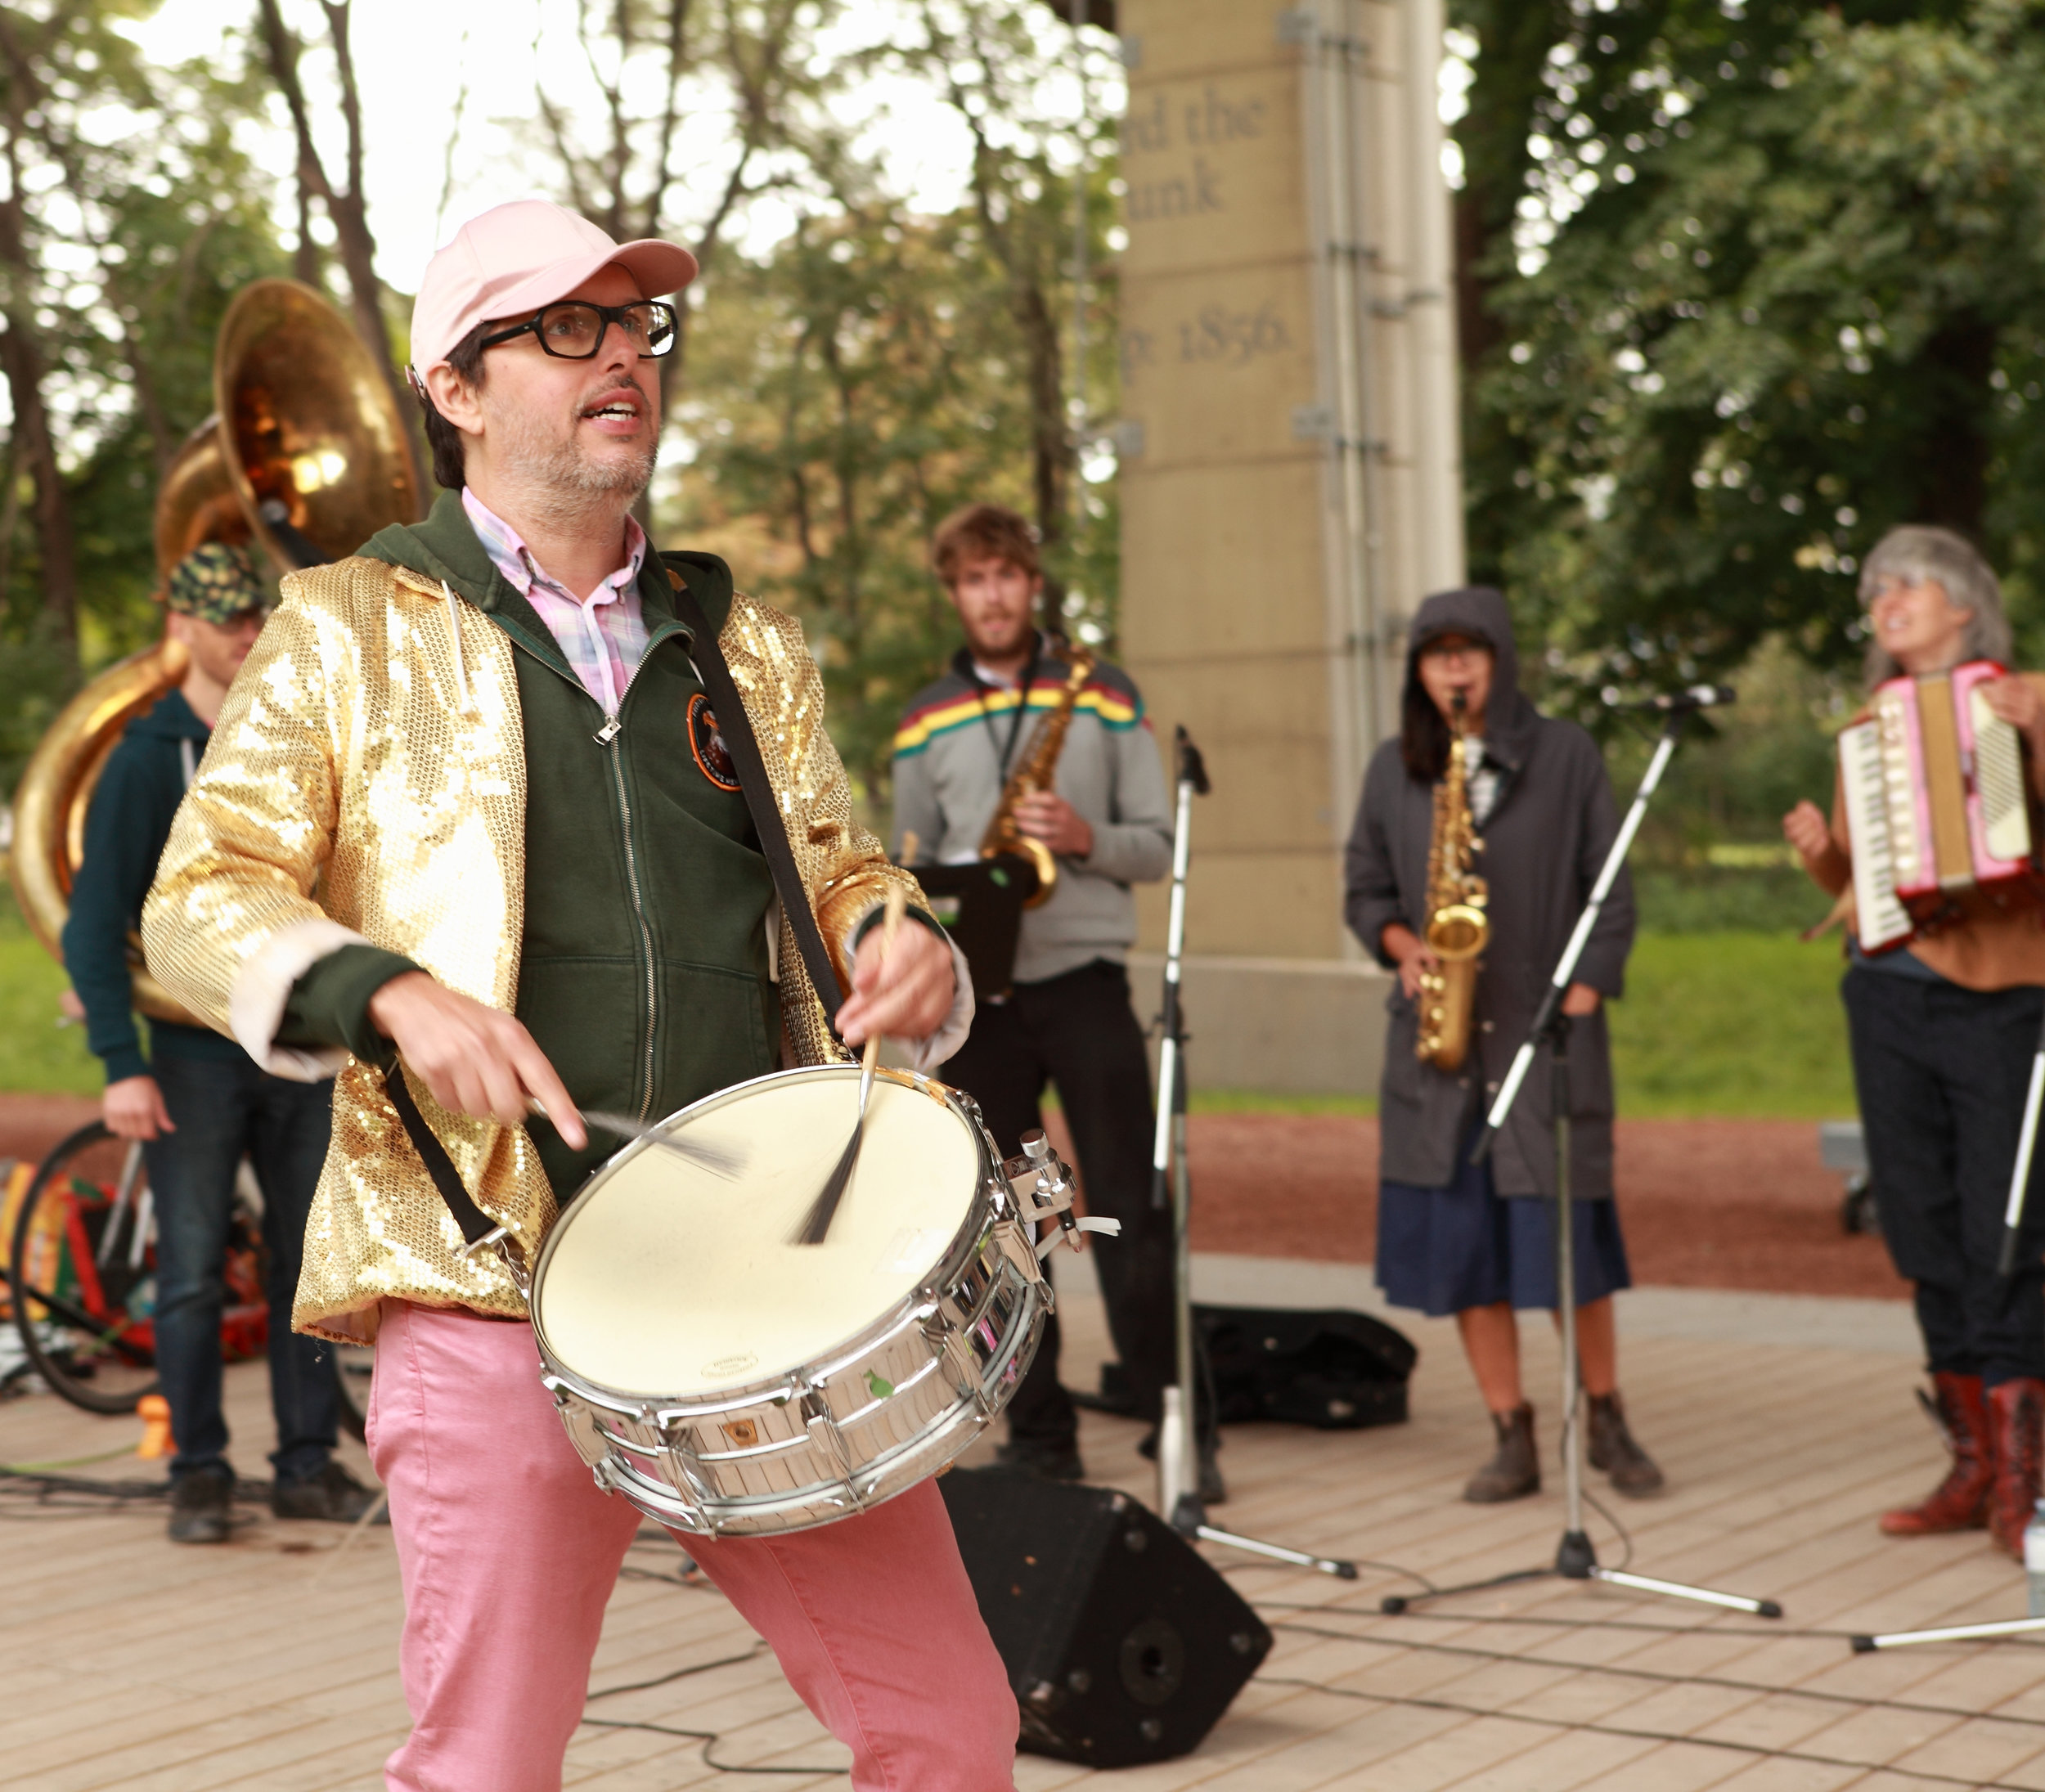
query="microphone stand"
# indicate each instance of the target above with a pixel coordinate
(1576, 1559)
(1179, 1500)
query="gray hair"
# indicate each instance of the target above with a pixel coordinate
(1917, 554)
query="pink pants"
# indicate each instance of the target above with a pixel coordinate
(509, 1553)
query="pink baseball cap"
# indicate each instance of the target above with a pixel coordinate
(512, 259)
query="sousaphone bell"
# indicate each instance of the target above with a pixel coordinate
(307, 454)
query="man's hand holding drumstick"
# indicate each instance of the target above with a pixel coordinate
(477, 1060)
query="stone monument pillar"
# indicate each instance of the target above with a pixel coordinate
(1290, 479)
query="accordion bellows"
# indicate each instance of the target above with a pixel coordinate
(1935, 803)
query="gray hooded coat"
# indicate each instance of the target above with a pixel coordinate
(1545, 839)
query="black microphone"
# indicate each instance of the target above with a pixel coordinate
(1694, 697)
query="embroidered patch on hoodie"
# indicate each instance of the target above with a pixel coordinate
(713, 759)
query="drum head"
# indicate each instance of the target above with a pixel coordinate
(666, 1280)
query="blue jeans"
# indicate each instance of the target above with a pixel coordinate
(221, 1111)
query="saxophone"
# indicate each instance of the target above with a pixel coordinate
(1457, 928)
(1037, 771)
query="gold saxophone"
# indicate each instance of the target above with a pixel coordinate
(1038, 771)
(1457, 928)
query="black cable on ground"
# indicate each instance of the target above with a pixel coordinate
(1774, 1631)
(1613, 1670)
(44, 1487)
(1611, 1518)
(1759, 1751)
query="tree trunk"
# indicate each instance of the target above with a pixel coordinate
(35, 450)
(1478, 330)
(1050, 446)
(345, 208)
(1952, 377)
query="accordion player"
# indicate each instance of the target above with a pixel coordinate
(1932, 784)
(1931, 847)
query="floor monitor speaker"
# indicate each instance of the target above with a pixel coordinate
(1123, 1644)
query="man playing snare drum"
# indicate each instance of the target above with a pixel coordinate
(468, 806)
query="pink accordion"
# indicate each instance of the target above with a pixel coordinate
(1936, 805)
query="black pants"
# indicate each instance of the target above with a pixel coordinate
(1941, 1072)
(1079, 1031)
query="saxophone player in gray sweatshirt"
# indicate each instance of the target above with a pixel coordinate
(1068, 1020)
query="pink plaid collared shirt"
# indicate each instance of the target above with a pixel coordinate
(603, 639)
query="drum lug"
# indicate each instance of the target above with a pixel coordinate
(588, 1437)
(965, 1368)
(687, 1465)
(1021, 1250)
(822, 1426)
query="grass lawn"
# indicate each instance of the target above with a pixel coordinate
(1736, 1024)
(1746, 1026)
(35, 1054)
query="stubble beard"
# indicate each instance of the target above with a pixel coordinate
(565, 485)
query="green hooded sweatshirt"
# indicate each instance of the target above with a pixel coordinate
(643, 967)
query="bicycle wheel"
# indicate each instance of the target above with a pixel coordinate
(81, 1273)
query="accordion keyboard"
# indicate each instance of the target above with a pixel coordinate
(1881, 918)
(1998, 777)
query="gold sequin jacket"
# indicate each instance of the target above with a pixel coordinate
(365, 784)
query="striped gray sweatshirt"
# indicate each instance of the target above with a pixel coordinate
(949, 774)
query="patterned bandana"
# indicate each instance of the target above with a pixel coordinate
(216, 583)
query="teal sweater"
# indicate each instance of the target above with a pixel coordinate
(125, 829)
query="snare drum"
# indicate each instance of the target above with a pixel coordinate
(727, 1381)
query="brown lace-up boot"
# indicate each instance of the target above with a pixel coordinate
(2015, 1409)
(1516, 1470)
(1612, 1449)
(1960, 1501)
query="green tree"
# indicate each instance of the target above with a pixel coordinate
(130, 217)
(994, 62)
(1768, 286)
(877, 369)
(631, 164)
(847, 391)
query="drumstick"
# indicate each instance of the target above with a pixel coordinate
(716, 1159)
(816, 1222)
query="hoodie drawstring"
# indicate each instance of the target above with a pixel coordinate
(464, 705)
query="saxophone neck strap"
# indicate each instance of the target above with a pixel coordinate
(1004, 751)
(736, 727)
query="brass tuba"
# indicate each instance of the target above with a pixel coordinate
(1457, 928)
(306, 452)
(1038, 771)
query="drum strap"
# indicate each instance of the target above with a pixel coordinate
(737, 730)
(476, 1225)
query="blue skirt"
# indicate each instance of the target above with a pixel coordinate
(1442, 1249)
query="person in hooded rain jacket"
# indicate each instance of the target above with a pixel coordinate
(1477, 1241)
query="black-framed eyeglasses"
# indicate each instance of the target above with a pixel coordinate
(573, 329)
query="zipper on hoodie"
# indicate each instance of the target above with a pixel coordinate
(607, 737)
